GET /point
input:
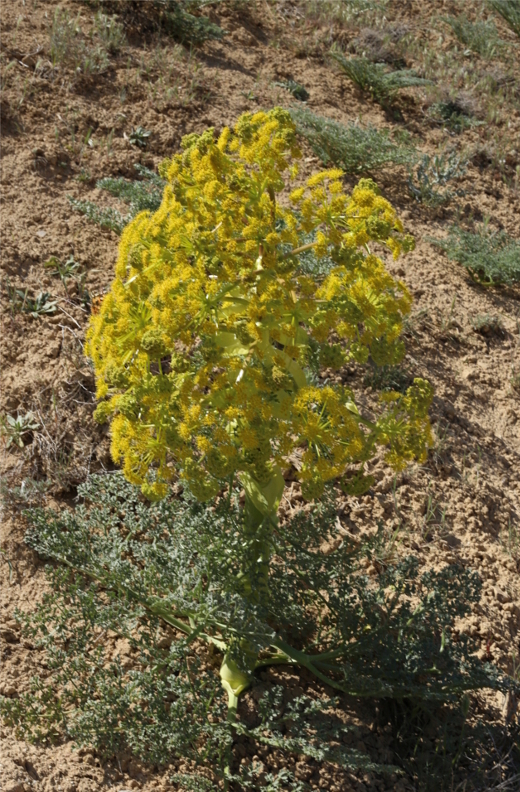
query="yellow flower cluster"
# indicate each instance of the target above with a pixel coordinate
(201, 347)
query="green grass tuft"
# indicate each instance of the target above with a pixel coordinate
(509, 10)
(480, 37)
(67, 45)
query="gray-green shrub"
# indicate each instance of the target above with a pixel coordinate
(375, 79)
(166, 577)
(354, 148)
(491, 257)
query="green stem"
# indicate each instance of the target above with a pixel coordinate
(297, 250)
(259, 524)
(231, 720)
(328, 655)
(302, 659)
(278, 659)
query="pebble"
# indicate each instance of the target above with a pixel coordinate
(502, 596)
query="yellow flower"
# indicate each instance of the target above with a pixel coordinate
(297, 195)
(201, 347)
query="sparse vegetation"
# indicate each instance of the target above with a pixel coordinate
(491, 257)
(29, 492)
(69, 46)
(480, 37)
(110, 32)
(341, 11)
(354, 148)
(491, 87)
(174, 76)
(21, 301)
(60, 454)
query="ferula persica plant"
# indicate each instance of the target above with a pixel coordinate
(207, 346)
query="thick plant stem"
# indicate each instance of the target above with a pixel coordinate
(254, 580)
(260, 519)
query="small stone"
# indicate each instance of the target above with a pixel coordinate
(501, 596)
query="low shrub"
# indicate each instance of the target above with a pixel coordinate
(141, 195)
(453, 115)
(353, 148)
(491, 258)
(294, 88)
(166, 577)
(488, 325)
(173, 17)
(428, 182)
(375, 79)
(183, 26)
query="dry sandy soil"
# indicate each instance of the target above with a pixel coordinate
(62, 130)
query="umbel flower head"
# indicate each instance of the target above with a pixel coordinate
(201, 348)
